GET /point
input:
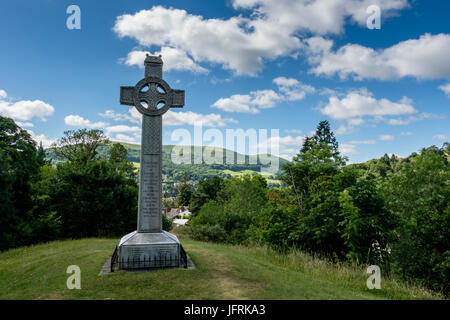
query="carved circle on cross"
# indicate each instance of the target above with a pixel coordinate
(153, 92)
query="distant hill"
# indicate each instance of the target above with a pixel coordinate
(173, 172)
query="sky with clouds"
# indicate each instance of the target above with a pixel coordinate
(244, 64)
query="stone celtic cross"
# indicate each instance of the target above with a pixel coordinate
(152, 97)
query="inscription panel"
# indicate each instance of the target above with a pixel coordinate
(150, 194)
(149, 256)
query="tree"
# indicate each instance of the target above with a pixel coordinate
(324, 135)
(419, 194)
(184, 191)
(79, 145)
(205, 190)
(367, 226)
(236, 208)
(94, 199)
(91, 195)
(18, 169)
(319, 156)
(41, 155)
(117, 155)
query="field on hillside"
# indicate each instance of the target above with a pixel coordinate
(223, 272)
(173, 172)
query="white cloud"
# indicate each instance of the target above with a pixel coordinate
(406, 133)
(320, 17)
(423, 58)
(174, 59)
(386, 137)
(46, 141)
(225, 42)
(362, 142)
(347, 149)
(344, 129)
(180, 118)
(408, 120)
(446, 89)
(265, 99)
(25, 124)
(296, 131)
(357, 104)
(239, 43)
(24, 110)
(123, 129)
(120, 137)
(171, 118)
(132, 116)
(236, 103)
(290, 89)
(440, 137)
(77, 121)
(288, 146)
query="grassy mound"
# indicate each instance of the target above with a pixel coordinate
(223, 272)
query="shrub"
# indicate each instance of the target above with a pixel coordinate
(206, 232)
(166, 223)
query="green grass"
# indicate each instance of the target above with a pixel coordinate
(223, 272)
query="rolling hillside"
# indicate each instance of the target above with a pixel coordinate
(173, 172)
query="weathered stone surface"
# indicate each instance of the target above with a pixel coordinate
(149, 246)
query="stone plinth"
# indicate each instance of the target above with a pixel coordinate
(138, 250)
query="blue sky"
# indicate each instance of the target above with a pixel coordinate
(243, 63)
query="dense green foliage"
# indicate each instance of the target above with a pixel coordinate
(85, 195)
(388, 211)
(19, 168)
(419, 193)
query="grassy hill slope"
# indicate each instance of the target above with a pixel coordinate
(224, 272)
(173, 172)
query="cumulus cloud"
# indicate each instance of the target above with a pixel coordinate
(440, 137)
(131, 116)
(321, 17)
(78, 121)
(171, 118)
(120, 137)
(41, 138)
(348, 149)
(386, 137)
(293, 89)
(423, 58)
(362, 142)
(287, 146)
(289, 89)
(446, 89)
(239, 43)
(408, 120)
(123, 129)
(293, 131)
(24, 110)
(248, 103)
(357, 104)
(174, 59)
